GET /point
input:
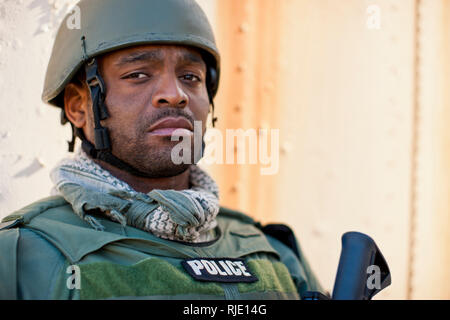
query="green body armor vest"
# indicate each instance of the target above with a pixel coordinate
(48, 252)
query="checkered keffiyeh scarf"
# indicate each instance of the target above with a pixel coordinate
(187, 215)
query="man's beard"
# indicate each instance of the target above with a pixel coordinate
(153, 160)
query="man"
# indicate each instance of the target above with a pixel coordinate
(126, 220)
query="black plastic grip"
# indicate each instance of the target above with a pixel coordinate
(359, 256)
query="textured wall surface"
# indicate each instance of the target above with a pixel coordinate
(430, 228)
(341, 95)
(362, 114)
(31, 141)
(349, 92)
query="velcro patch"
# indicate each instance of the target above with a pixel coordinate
(218, 270)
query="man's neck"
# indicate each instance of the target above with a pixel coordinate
(145, 185)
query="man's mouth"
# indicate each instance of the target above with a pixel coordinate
(167, 126)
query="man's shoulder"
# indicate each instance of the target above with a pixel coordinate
(14, 230)
(18, 226)
(228, 213)
(27, 257)
(280, 232)
(29, 212)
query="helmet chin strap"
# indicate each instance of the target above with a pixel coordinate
(102, 148)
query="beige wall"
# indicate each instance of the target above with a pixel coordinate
(363, 139)
(31, 141)
(362, 116)
(430, 272)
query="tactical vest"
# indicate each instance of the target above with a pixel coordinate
(48, 252)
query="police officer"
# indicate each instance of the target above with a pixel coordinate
(126, 221)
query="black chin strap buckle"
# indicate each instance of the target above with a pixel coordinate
(93, 78)
(97, 90)
(101, 137)
(85, 144)
(71, 144)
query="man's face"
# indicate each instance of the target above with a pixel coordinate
(151, 90)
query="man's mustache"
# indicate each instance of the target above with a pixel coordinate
(164, 113)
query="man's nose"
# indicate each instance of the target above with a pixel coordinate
(169, 93)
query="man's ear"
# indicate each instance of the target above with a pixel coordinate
(75, 104)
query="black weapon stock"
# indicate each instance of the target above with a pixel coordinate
(362, 270)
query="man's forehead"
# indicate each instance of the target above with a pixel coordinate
(153, 53)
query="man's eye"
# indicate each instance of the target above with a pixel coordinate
(136, 75)
(191, 77)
